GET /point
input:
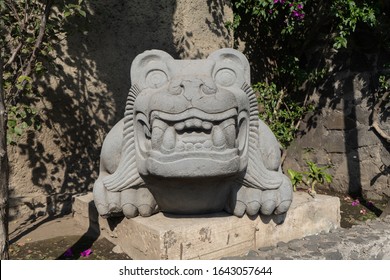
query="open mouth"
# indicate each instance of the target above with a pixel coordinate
(193, 131)
(192, 143)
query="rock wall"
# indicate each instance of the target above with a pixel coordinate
(84, 91)
(339, 131)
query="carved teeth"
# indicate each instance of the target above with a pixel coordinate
(158, 130)
(198, 146)
(207, 125)
(189, 123)
(160, 124)
(218, 137)
(180, 146)
(169, 139)
(197, 123)
(189, 146)
(208, 144)
(179, 126)
(229, 130)
(157, 136)
(193, 134)
(193, 123)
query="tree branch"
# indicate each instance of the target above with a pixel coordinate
(41, 34)
(375, 123)
(12, 7)
(14, 54)
(42, 29)
(4, 171)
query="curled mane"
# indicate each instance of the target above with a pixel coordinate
(126, 175)
(257, 175)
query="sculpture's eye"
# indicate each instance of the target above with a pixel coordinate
(225, 77)
(156, 79)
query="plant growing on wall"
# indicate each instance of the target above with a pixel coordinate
(287, 29)
(279, 111)
(29, 29)
(382, 98)
(312, 177)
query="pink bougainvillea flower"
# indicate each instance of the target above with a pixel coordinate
(363, 211)
(276, 1)
(68, 253)
(295, 13)
(355, 202)
(300, 6)
(86, 253)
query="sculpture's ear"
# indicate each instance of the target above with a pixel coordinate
(231, 59)
(149, 69)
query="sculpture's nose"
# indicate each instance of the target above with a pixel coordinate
(196, 89)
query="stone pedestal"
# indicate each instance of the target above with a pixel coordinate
(164, 236)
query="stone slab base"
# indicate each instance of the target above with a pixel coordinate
(164, 236)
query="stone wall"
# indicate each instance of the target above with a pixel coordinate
(339, 131)
(85, 90)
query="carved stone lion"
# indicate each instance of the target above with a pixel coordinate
(191, 142)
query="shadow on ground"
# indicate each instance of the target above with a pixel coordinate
(66, 248)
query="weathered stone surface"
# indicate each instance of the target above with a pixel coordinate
(337, 121)
(369, 241)
(191, 142)
(358, 155)
(212, 236)
(362, 115)
(335, 142)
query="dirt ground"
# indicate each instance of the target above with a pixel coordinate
(58, 238)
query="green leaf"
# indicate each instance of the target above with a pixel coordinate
(328, 177)
(82, 13)
(11, 123)
(24, 125)
(18, 130)
(291, 173)
(23, 78)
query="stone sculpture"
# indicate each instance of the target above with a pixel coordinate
(191, 142)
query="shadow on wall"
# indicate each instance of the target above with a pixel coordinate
(86, 87)
(200, 28)
(339, 131)
(89, 82)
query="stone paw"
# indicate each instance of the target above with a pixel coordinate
(255, 201)
(130, 202)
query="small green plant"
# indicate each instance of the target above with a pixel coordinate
(315, 175)
(296, 178)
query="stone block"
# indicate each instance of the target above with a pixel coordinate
(338, 121)
(212, 236)
(334, 143)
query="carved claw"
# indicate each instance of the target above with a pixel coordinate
(129, 202)
(255, 201)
